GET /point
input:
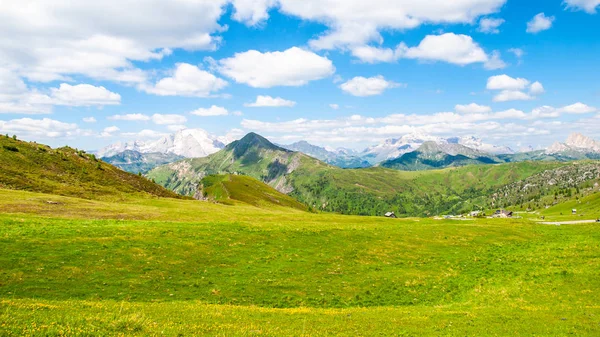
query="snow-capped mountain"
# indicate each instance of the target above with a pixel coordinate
(190, 143)
(341, 157)
(557, 147)
(575, 142)
(527, 148)
(120, 147)
(342, 151)
(477, 144)
(453, 149)
(394, 148)
(432, 155)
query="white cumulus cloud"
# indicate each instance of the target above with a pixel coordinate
(358, 22)
(252, 12)
(472, 108)
(291, 67)
(109, 131)
(536, 88)
(17, 97)
(212, 111)
(451, 48)
(490, 25)
(539, 23)
(187, 80)
(168, 119)
(42, 128)
(83, 95)
(129, 117)
(512, 95)
(362, 86)
(518, 52)
(586, 5)
(144, 134)
(514, 89)
(53, 40)
(268, 101)
(505, 82)
(578, 108)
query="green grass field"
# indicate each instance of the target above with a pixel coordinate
(156, 266)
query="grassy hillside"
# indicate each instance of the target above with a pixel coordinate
(66, 171)
(179, 267)
(229, 188)
(588, 208)
(375, 191)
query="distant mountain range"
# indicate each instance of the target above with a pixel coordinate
(394, 148)
(410, 152)
(341, 157)
(371, 191)
(189, 143)
(432, 155)
(530, 184)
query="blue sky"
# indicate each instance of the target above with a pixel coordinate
(339, 73)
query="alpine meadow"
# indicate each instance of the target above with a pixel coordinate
(299, 168)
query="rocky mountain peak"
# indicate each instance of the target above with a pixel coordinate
(575, 142)
(583, 142)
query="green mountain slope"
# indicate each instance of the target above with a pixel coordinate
(252, 155)
(66, 171)
(375, 191)
(134, 162)
(230, 187)
(568, 182)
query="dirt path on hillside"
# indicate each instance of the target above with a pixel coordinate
(558, 223)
